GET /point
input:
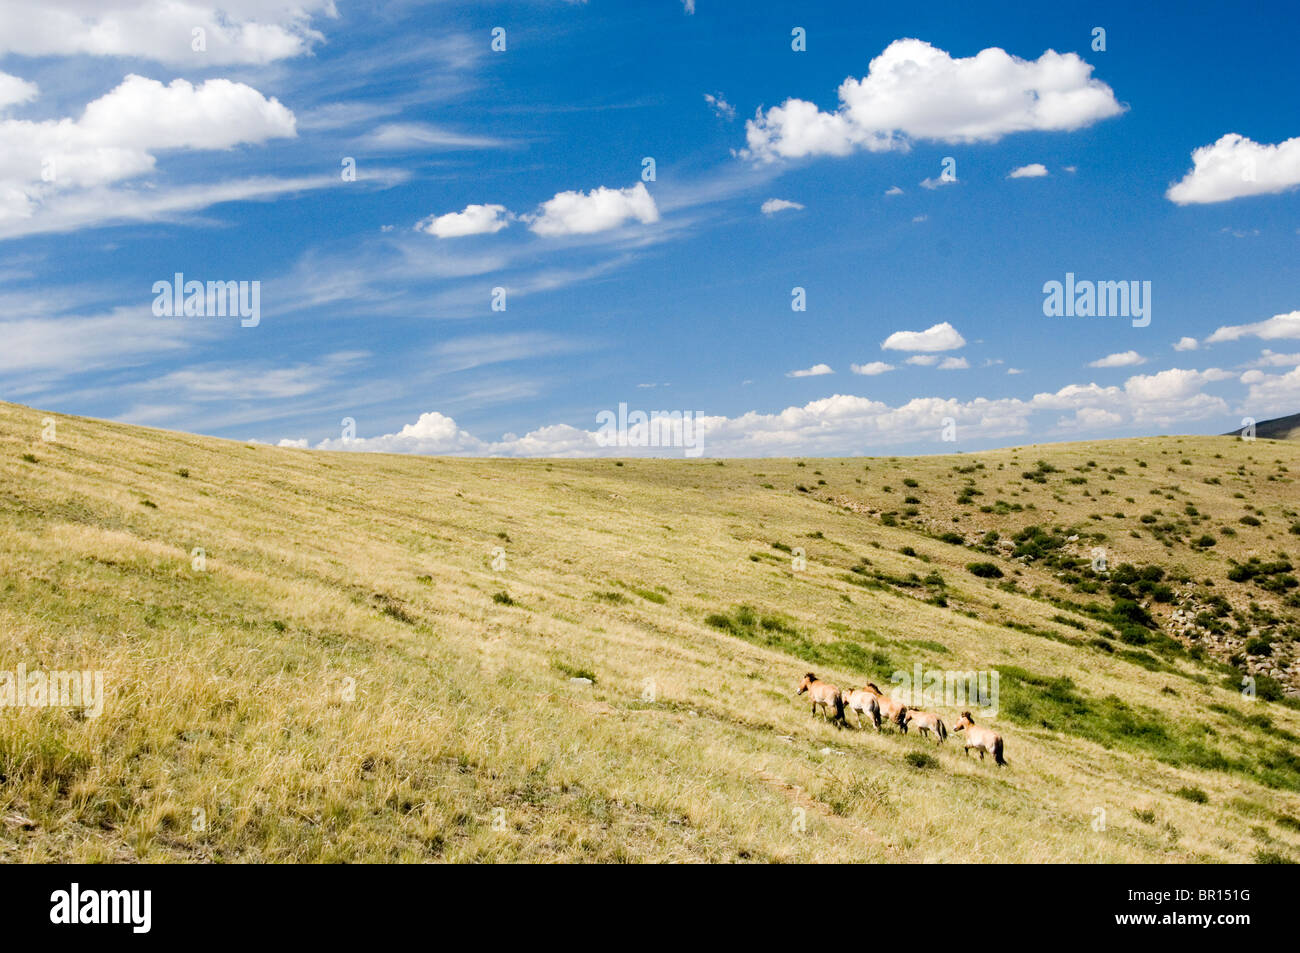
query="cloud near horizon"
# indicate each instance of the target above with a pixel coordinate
(848, 424)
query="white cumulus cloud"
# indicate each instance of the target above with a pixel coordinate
(849, 424)
(1035, 170)
(1234, 167)
(1278, 327)
(938, 337)
(15, 91)
(817, 370)
(1121, 359)
(1269, 358)
(913, 90)
(117, 136)
(1186, 344)
(872, 368)
(475, 220)
(581, 213)
(232, 31)
(1272, 394)
(432, 433)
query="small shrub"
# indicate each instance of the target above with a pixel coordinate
(1271, 857)
(984, 570)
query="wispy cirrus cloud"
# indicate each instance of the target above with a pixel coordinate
(772, 206)
(394, 137)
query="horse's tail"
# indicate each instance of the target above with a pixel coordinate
(941, 728)
(997, 752)
(901, 718)
(839, 705)
(875, 715)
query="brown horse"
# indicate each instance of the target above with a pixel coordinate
(890, 708)
(926, 722)
(982, 739)
(865, 704)
(823, 694)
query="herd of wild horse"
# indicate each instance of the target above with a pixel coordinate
(871, 704)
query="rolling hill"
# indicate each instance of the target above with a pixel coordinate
(313, 656)
(1279, 428)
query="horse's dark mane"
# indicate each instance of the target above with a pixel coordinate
(967, 716)
(811, 677)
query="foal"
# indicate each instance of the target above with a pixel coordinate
(926, 722)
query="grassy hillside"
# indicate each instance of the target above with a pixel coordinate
(346, 676)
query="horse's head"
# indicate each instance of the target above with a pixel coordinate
(806, 683)
(965, 721)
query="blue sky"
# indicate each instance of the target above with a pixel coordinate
(128, 155)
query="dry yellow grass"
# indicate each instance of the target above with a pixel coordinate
(339, 683)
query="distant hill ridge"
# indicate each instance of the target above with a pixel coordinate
(1279, 428)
